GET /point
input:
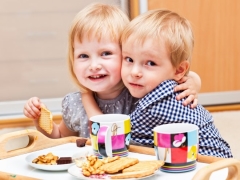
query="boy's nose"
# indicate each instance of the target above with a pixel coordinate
(135, 72)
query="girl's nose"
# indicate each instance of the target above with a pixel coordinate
(95, 67)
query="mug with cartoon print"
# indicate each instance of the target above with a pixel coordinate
(110, 134)
(177, 145)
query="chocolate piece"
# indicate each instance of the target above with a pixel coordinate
(81, 142)
(64, 160)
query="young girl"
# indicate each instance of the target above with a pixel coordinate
(94, 57)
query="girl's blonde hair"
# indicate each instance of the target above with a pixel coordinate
(167, 26)
(96, 20)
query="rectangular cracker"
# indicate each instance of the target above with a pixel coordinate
(154, 164)
(119, 164)
(45, 120)
(134, 174)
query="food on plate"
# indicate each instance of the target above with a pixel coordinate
(118, 167)
(134, 174)
(79, 161)
(155, 164)
(91, 166)
(51, 159)
(81, 142)
(110, 159)
(64, 160)
(80, 158)
(48, 159)
(45, 120)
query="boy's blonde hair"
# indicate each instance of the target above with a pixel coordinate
(96, 20)
(163, 25)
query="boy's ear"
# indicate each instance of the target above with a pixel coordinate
(181, 70)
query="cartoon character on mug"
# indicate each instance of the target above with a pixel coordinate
(95, 128)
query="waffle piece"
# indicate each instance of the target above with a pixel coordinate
(45, 120)
(119, 165)
(154, 164)
(134, 174)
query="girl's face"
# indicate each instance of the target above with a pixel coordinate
(97, 65)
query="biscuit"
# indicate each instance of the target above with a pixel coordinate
(110, 159)
(91, 166)
(119, 165)
(154, 164)
(48, 159)
(135, 174)
(45, 120)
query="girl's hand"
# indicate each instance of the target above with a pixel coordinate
(32, 108)
(190, 85)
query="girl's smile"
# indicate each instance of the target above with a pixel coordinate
(97, 65)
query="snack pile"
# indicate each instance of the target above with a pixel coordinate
(118, 167)
(50, 159)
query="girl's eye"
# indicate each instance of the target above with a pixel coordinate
(106, 53)
(83, 56)
(150, 63)
(128, 59)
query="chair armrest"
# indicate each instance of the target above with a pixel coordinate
(233, 166)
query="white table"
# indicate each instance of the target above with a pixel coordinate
(18, 165)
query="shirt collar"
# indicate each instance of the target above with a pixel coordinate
(160, 92)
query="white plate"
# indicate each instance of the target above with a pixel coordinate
(76, 171)
(61, 167)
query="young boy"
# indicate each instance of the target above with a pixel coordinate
(157, 49)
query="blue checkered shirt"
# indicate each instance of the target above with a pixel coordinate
(161, 107)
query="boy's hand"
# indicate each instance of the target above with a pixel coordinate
(190, 90)
(32, 108)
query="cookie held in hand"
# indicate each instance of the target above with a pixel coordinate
(45, 120)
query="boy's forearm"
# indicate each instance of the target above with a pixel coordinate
(90, 105)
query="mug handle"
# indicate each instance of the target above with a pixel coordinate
(108, 142)
(106, 132)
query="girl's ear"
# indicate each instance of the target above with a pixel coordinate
(181, 70)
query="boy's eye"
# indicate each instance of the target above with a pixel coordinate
(150, 63)
(128, 59)
(83, 56)
(106, 53)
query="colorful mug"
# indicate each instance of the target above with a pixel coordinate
(177, 145)
(110, 134)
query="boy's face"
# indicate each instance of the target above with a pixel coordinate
(145, 66)
(97, 64)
